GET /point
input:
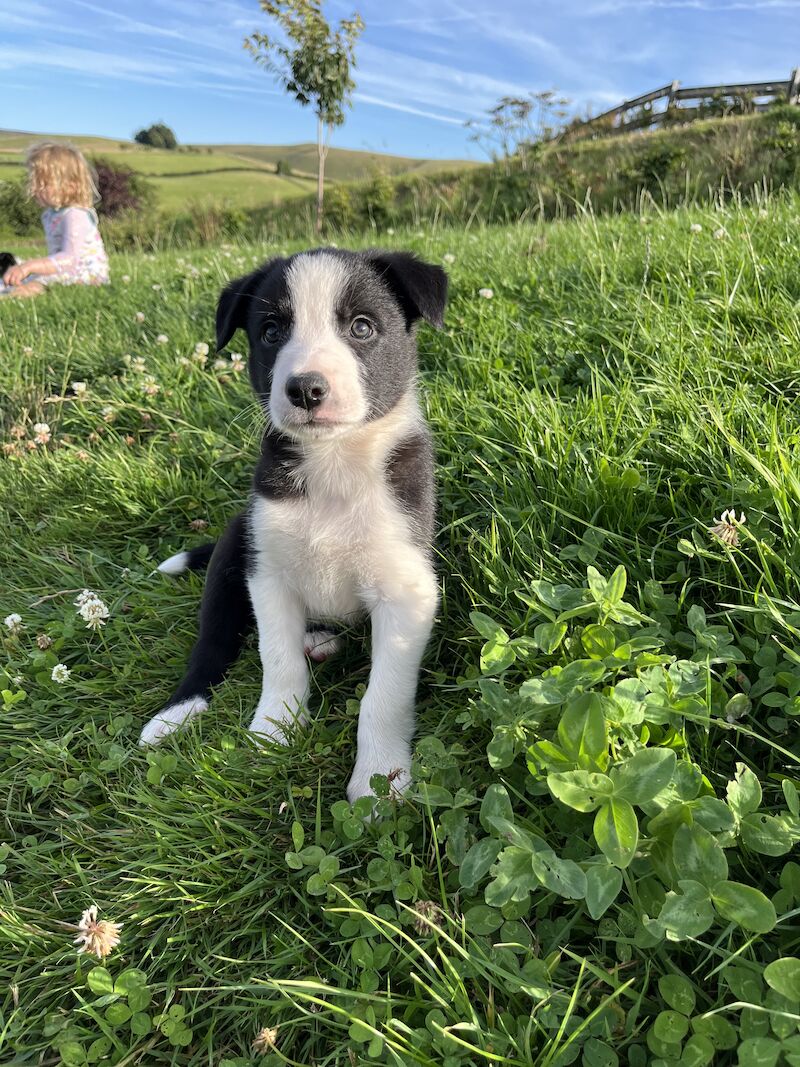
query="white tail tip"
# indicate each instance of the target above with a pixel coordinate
(176, 564)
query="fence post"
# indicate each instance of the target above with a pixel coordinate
(672, 90)
(793, 93)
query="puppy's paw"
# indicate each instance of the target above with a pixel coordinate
(170, 719)
(320, 644)
(395, 768)
(273, 720)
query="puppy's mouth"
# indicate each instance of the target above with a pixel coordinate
(313, 424)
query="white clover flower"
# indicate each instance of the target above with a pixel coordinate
(41, 433)
(137, 364)
(695, 228)
(79, 388)
(184, 362)
(720, 234)
(762, 214)
(448, 257)
(94, 613)
(162, 339)
(390, 231)
(200, 358)
(150, 386)
(126, 278)
(13, 623)
(725, 527)
(98, 936)
(237, 361)
(487, 294)
(139, 316)
(27, 350)
(60, 673)
(108, 414)
(220, 364)
(156, 287)
(201, 349)
(84, 596)
(266, 1039)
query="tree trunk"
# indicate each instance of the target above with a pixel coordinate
(322, 152)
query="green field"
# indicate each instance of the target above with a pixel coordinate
(594, 865)
(239, 175)
(342, 164)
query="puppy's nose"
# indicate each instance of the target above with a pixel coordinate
(307, 390)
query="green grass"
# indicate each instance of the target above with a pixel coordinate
(628, 381)
(343, 164)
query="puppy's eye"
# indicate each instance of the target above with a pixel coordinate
(361, 329)
(271, 331)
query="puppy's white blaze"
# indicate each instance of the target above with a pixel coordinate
(176, 564)
(170, 719)
(315, 285)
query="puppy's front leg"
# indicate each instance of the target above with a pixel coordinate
(280, 617)
(402, 617)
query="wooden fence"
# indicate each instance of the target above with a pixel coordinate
(683, 105)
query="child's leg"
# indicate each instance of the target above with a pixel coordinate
(22, 292)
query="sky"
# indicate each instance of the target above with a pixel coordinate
(425, 67)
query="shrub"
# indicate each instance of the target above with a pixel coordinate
(18, 213)
(157, 136)
(283, 167)
(121, 189)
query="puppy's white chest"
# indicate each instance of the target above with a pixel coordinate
(333, 550)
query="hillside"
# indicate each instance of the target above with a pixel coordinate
(342, 164)
(240, 175)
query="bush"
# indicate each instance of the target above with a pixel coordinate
(157, 136)
(18, 213)
(121, 189)
(283, 167)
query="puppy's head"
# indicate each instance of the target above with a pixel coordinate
(332, 334)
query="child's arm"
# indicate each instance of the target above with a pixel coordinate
(16, 275)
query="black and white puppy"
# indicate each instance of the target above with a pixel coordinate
(341, 516)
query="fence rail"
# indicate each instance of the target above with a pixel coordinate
(634, 114)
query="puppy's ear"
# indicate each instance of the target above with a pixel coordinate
(420, 287)
(233, 304)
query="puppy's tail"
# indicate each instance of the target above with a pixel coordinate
(191, 559)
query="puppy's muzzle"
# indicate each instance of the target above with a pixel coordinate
(307, 390)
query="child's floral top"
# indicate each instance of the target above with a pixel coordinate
(75, 246)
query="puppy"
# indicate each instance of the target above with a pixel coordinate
(340, 520)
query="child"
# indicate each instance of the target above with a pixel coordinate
(60, 181)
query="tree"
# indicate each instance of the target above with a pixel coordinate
(157, 136)
(313, 62)
(515, 124)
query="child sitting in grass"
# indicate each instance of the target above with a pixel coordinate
(60, 181)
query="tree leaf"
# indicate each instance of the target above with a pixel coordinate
(603, 883)
(644, 774)
(616, 831)
(745, 905)
(698, 856)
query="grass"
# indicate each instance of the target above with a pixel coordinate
(239, 175)
(627, 381)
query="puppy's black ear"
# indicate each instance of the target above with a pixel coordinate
(420, 287)
(233, 304)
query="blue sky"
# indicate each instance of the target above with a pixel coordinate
(424, 66)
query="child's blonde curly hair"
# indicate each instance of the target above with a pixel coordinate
(59, 176)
